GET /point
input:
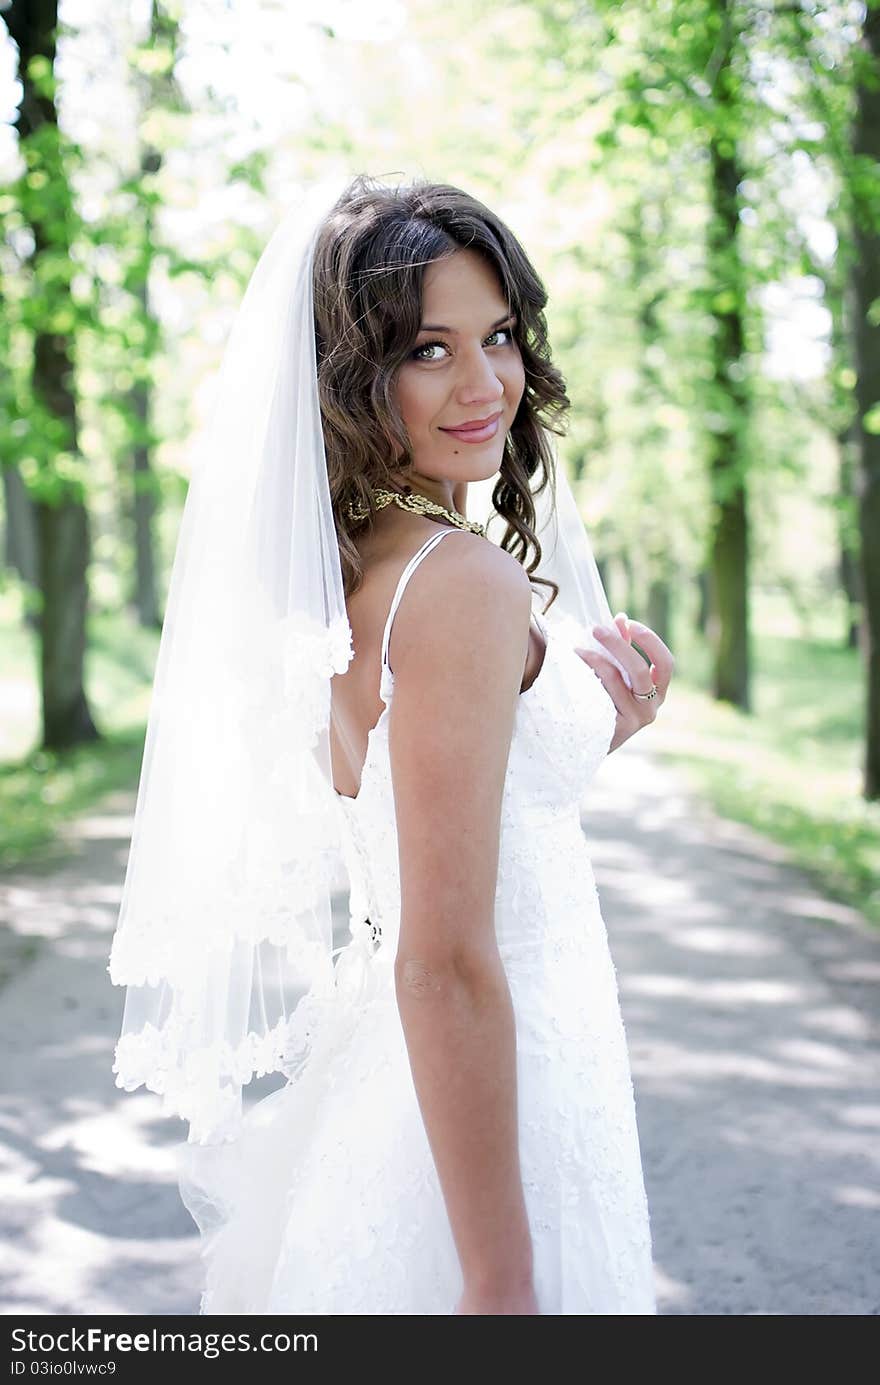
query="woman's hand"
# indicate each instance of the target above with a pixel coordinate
(632, 712)
(511, 1303)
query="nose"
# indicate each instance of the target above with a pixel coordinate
(479, 380)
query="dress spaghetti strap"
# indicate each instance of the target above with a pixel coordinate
(401, 585)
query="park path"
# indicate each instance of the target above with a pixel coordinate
(752, 1006)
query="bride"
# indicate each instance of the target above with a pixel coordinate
(352, 670)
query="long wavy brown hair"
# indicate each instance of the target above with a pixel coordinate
(370, 260)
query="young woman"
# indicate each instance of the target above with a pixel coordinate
(458, 1131)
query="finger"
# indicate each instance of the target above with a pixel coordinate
(636, 665)
(598, 659)
(661, 654)
(651, 640)
(663, 662)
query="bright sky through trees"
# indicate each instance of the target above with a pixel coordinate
(270, 60)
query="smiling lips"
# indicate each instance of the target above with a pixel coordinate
(479, 431)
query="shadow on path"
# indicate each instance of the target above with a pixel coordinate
(751, 1006)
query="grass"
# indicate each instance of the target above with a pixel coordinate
(42, 790)
(791, 768)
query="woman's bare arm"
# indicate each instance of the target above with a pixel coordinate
(458, 649)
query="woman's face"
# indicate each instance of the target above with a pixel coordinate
(465, 366)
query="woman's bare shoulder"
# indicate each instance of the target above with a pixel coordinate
(464, 557)
(464, 569)
(466, 591)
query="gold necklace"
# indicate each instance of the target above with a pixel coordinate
(419, 504)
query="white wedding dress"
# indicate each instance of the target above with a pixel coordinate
(329, 1202)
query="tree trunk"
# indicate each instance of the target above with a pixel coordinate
(866, 287)
(158, 89)
(660, 607)
(144, 509)
(20, 533)
(704, 600)
(729, 556)
(62, 526)
(850, 572)
(144, 498)
(657, 557)
(20, 545)
(63, 537)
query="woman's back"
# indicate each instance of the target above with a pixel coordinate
(389, 559)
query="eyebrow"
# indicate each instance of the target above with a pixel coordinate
(435, 327)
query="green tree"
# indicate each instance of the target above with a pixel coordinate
(50, 441)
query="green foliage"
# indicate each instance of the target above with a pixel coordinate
(47, 298)
(871, 420)
(593, 130)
